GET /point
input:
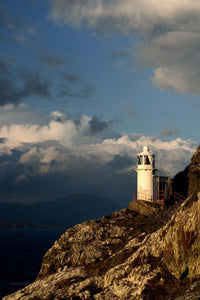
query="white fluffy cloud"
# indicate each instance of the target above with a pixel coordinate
(169, 31)
(61, 158)
(66, 133)
(74, 140)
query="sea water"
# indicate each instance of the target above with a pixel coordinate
(21, 253)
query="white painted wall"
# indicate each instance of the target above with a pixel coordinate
(145, 171)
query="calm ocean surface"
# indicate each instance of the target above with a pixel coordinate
(21, 252)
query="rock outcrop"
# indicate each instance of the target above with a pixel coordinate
(194, 173)
(128, 255)
(187, 182)
(180, 183)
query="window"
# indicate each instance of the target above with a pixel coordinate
(140, 160)
(146, 160)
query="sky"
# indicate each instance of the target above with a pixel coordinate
(85, 84)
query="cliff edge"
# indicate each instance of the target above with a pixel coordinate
(187, 182)
(127, 255)
(143, 252)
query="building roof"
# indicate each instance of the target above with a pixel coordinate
(145, 151)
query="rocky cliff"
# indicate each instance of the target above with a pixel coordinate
(194, 173)
(142, 252)
(187, 182)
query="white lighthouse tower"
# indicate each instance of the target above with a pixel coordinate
(145, 175)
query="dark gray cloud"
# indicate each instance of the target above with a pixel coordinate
(169, 131)
(3, 140)
(9, 93)
(74, 86)
(8, 21)
(120, 54)
(71, 77)
(81, 174)
(19, 83)
(97, 124)
(33, 84)
(53, 60)
(87, 91)
(9, 169)
(121, 162)
(14, 29)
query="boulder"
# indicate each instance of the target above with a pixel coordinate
(144, 208)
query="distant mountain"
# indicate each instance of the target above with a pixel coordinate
(68, 211)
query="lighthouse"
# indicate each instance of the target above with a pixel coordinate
(151, 187)
(145, 175)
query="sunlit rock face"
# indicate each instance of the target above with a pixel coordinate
(127, 255)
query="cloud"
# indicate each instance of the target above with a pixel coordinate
(127, 107)
(14, 29)
(67, 132)
(87, 91)
(53, 60)
(98, 125)
(72, 85)
(19, 83)
(58, 116)
(168, 32)
(71, 77)
(8, 91)
(169, 131)
(8, 21)
(12, 114)
(42, 155)
(72, 138)
(119, 57)
(33, 84)
(174, 57)
(3, 140)
(119, 54)
(65, 156)
(121, 162)
(127, 15)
